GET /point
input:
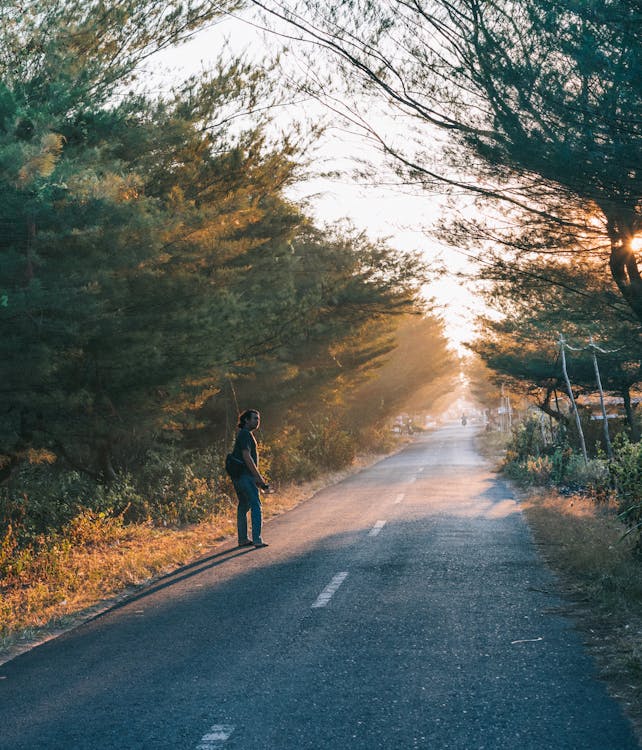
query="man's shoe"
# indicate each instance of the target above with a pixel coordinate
(261, 544)
(246, 543)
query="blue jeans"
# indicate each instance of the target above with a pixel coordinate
(248, 496)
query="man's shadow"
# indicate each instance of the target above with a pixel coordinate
(177, 576)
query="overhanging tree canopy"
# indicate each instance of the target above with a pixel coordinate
(523, 344)
(147, 250)
(541, 103)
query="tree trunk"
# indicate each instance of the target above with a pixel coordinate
(630, 415)
(545, 406)
(624, 265)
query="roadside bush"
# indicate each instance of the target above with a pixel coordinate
(626, 475)
(175, 487)
(123, 498)
(560, 460)
(327, 443)
(529, 462)
(527, 459)
(286, 459)
(562, 468)
(528, 441)
(379, 440)
(593, 476)
(42, 498)
(532, 470)
(91, 529)
(626, 470)
(170, 486)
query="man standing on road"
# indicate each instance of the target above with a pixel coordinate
(248, 483)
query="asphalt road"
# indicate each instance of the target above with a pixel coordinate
(405, 607)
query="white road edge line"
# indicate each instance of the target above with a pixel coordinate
(215, 737)
(329, 591)
(400, 497)
(376, 528)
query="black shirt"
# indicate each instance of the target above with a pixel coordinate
(245, 441)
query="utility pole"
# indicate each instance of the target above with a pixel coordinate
(607, 438)
(505, 412)
(570, 395)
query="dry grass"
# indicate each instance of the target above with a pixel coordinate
(64, 583)
(582, 542)
(101, 561)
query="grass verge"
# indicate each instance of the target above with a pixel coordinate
(101, 561)
(582, 542)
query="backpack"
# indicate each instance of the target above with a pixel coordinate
(233, 466)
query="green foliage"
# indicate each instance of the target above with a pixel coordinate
(563, 468)
(531, 462)
(522, 346)
(39, 499)
(540, 103)
(148, 254)
(592, 477)
(530, 470)
(560, 461)
(287, 459)
(149, 261)
(528, 439)
(172, 487)
(327, 443)
(626, 473)
(532, 459)
(123, 259)
(170, 490)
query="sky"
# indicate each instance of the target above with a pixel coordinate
(383, 210)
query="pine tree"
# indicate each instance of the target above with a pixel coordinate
(148, 253)
(122, 219)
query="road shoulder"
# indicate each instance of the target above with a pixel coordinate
(167, 550)
(602, 583)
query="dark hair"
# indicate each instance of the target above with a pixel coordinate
(245, 415)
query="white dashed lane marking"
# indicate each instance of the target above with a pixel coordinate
(216, 737)
(329, 591)
(376, 528)
(400, 497)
